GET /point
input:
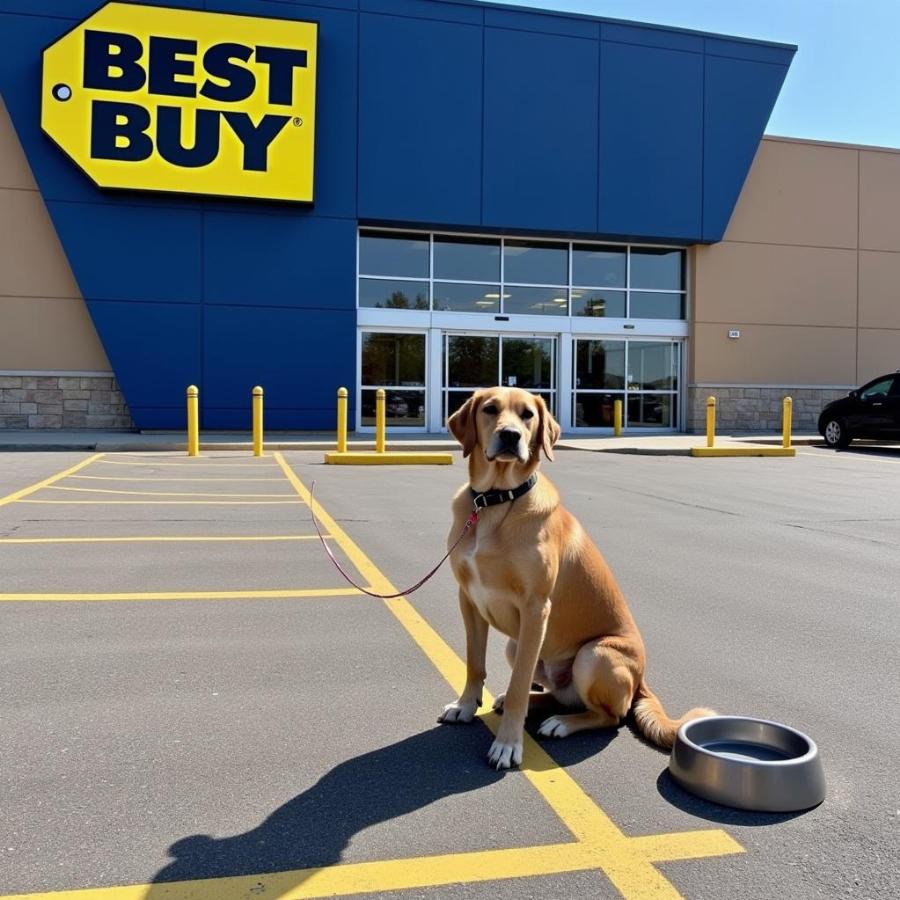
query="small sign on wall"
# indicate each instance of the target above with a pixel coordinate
(734, 334)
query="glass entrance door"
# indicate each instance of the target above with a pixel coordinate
(644, 375)
(473, 361)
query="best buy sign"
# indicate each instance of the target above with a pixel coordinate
(160, 99)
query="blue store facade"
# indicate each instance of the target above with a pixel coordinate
(501, 194)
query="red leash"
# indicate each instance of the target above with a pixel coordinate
(473, 518)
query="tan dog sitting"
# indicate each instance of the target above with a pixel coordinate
(528, 568)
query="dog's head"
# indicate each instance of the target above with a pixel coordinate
(506, 425)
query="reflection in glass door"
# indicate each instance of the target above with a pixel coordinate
(474, 361)
(642, 374)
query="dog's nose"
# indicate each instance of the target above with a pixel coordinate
(509, 437)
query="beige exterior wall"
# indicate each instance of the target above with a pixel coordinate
(808, 272)
(44, 323)
(54, 372)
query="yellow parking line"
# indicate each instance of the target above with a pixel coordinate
(156, 538)
(180, 595)
(292, 502)
(626, 863)
(17, 495)
(366, 878)
(91, 490)
(212, 460)
(165, 478)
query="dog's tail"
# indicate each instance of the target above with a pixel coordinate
(653, 722)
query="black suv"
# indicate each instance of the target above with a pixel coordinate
(871, 411)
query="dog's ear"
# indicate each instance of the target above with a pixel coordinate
(462, 424)
(548, 428)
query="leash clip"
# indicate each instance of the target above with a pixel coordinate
(480, 505)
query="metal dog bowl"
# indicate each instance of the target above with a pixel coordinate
(748, 763)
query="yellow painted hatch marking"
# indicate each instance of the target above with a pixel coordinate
(292, 502)
(224, 478)
(158, 538)
(16, 496)
(145, 461)
(288, 594)
(92, 490)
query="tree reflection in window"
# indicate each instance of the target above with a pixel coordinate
(399, 300)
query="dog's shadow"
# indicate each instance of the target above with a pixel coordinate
(313, 828)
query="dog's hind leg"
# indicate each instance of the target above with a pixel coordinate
(606, 679)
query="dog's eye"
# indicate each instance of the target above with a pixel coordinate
(490, 409)
(527, 414)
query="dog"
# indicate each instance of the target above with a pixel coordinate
(529, 569)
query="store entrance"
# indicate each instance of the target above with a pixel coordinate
(472, 361)
(643, 374)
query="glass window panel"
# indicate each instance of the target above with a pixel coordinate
(402, 408)
(528, 262)
(395, 359)
(880, 389)
(652, 366)
(599, 266)
(536, 301)
(659, 270)
(651, 410)
(473, 361)
(455, 400)
(467, 297)
(600, 364)
(405, 255)
(466, 259)
(383, 294)
(549, 399)
(594, 303)
(595, 410)
(645, 305)
(528, 361)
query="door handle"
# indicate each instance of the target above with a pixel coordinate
(877, 404)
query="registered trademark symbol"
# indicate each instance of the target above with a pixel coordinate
(297, 121)
(61, 92)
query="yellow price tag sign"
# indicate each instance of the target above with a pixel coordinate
(158, 99)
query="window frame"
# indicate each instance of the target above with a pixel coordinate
(568, 288)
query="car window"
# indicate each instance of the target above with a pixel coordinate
(895, 390)
(882, 388)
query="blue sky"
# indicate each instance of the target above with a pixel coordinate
(844, 83)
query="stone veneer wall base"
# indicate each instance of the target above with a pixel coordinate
(62, 401)
(758, 409)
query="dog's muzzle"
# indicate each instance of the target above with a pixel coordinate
(508, 440)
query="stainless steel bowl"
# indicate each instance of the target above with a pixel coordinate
(748, 763)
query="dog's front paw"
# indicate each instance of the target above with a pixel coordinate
(457, 711)
(504, 755)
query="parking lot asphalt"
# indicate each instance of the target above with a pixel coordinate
(194, 704)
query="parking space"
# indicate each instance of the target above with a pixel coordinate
(270, 731)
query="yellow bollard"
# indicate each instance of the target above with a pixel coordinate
(379, 420)
(193, 420)
(342, 420)
(257, 421)
(710, 421)
(787, 414)
(617, 418)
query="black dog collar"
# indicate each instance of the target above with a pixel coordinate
(483, 499)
